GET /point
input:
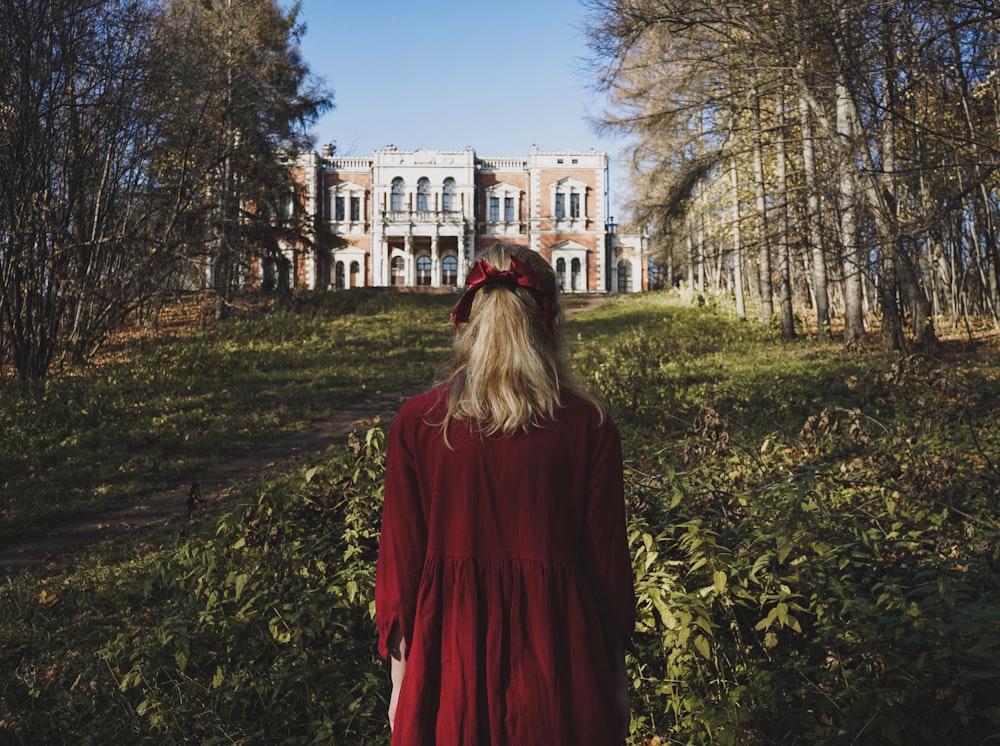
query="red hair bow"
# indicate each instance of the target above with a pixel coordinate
(520, 274)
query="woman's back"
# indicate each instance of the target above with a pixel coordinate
(523, 573)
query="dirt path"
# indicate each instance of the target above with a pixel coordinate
(162, 507)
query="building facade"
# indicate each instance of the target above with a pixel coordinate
(419, 218)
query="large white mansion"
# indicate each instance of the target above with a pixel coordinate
(419, 218)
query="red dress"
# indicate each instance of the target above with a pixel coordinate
(505, 564)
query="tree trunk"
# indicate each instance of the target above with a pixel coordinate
(734, 180)
(689, 243)
(784, 247)
(821, 299)
(854, 319)
(892, 328)
(764, 252)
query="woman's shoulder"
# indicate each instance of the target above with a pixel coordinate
(419, 406)
(581, 408)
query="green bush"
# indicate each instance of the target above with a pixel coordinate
(261, 633)
(822, 588)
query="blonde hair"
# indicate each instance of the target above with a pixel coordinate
(508, 372)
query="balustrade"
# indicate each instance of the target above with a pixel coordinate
(422, 217)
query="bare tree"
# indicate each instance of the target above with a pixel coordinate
(135, 134)
(898, 118)
(77, 252)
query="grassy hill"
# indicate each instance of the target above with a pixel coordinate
(814, 533)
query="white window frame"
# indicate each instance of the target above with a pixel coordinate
(501, 191)
(425, 200)
(568, 251)
(347, 190)
(348, 255)
(568, 187)
(445, 260)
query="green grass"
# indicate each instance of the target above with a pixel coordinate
(94, 438)
(814, 534)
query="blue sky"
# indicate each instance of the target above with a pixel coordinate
(446, 74)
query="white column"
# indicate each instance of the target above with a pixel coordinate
(379, 251)
(435, 264)
(309, 257)
(462, 260)
(380, 261)
(411, 268)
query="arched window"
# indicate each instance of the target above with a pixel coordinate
(561, 274)
(624, 276)
(355, 275)
(339, 279)
(423, 270)
(396, 202)
(423, 193)
(397, 268)
(448, 195)
(574, 270)
(449, 270)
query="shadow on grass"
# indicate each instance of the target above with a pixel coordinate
(96, 437)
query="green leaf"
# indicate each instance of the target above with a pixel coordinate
(241, 583)
(720, 580)
(701, 644)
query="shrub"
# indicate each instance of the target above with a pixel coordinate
(261, 633)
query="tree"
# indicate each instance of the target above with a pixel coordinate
(899, 123)
(244, 99)
(139, 136)
(78, 249)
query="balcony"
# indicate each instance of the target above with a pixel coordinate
(422, 217)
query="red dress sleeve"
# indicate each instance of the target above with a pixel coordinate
(403, 543)
(608, 561)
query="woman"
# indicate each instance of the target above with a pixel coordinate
(503, 589)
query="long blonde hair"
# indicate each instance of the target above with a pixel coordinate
(508, 372)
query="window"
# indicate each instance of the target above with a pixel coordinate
(569, 199)
(624, 276)
(423, 193)
(423, 270)
(449, 270)
(503, 204)
(396, 202)
(397, 268)
(570, 261)
(448, 195)
(355, 275)
(339, 276)
(346, 203)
